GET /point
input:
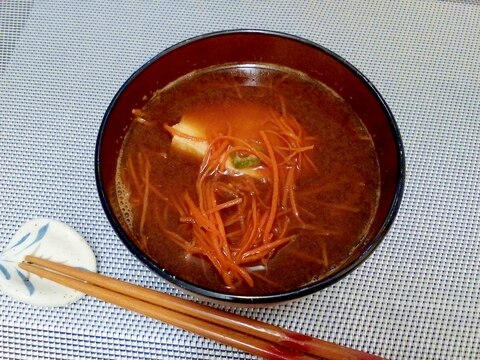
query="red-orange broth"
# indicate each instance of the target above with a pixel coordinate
(321, 215)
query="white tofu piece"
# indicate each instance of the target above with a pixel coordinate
(198, 149)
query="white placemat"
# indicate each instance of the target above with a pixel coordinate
(61, 62)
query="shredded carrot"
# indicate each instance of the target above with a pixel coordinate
(237, 90)
(157, 192)
(132, 173)
(288, 187)
(200, 219)
(180, 207)
(175, 132)
(186, 219)
(265, 279)
(307, 257)
(312, 164)
(254, 232)
(225, 205)
(235, 234)
(233, 221)
(298, 151)
(301, 209)
(261, 251)
(145, 196)
(293, 203)
(275, 185)
(177, 239)
(283, 229)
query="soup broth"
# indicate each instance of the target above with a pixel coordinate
(250, 178)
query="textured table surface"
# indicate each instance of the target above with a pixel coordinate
(416, 297)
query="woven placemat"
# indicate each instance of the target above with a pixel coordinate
(61, 62)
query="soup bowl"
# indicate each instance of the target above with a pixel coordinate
(249, 47)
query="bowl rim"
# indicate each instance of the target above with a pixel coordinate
(276, 297)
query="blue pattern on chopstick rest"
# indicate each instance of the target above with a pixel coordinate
(7, 258)
(40, 235)
(48, 239)
(5, 272)
(28, 284)
(25, 237)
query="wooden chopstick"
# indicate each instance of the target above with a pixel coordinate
(249, 335)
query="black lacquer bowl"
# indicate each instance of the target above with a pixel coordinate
(247, 46)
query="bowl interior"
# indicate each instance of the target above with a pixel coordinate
(248, 47)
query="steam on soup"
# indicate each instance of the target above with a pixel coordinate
(253, 179)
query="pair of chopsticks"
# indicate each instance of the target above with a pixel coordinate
(252, 336)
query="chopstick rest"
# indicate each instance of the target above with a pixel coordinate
(48, 239)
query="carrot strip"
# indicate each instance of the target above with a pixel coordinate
(234, 234)
(298, 151)
(178, 240)
(232, 220)
(157, 192)
(306, 257)
(225, 205)
(282, 105)
(288, 186)
(311, 163)
(218, 152)
(186, 219)
(198, 216)
(175, 132)
(301, 209)
(145, 196)
(294, 206)
(132, 173)
(265, 279)
(220, 226)
(249, 240)
(235, 220)
(275, 185)
(284, 228)
(207, 248)
(230, 268)
(263, 250)
(237, 90)
(182, 211)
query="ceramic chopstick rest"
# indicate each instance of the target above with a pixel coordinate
(48, 239)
